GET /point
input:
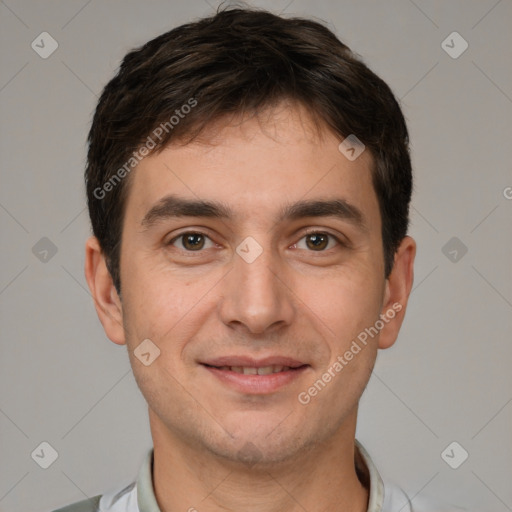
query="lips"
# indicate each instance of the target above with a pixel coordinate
(255, 376)
(244, 362)
(262, 370)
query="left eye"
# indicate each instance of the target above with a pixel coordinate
(317, 241)
(192, 241)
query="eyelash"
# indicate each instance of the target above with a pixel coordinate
(308, 233)
(182, 235)
(319, 232)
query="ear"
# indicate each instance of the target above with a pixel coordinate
(397, 290)
(106, 300)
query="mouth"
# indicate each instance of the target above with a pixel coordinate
(250, 376)
(253, 370)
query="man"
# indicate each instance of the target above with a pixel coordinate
(248, 184)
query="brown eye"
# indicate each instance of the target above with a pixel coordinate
(317, 241)
(192, 242)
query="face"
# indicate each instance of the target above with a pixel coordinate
(253, 259)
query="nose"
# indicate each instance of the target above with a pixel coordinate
(256, 297)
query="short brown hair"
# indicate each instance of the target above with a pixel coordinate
(234, 62)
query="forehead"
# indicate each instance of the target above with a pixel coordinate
(256, 166)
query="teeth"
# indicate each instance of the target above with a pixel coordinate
(264, 370)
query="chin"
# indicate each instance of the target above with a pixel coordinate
(261, 444)
(251, 454)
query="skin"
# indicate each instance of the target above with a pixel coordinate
(216, 448)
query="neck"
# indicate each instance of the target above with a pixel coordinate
(321, 478)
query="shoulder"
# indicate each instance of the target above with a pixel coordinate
(87, 505)
(124, 500)
(395, 497)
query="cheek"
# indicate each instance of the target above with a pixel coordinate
(164, 306)
(346, 300)
(150, 306)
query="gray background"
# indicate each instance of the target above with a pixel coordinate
(448, 377)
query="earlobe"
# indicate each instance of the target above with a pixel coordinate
(398, 289)
(106, 300)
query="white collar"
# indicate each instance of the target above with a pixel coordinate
(140, 497)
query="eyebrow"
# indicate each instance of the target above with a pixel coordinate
(172, 206)
(339, 208)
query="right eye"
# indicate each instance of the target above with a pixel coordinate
(191, 241)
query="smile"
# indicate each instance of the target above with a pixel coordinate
(247, 370)
(256, 380)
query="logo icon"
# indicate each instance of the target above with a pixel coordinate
(351, 147)
(454, 45)
(44, 250)
(44, 45)
(249, 249)
(454, 455)
(146, 352)
(454, 249)
(45, 455)
(250, 453)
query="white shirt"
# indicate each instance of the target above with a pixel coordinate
(140, 497)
